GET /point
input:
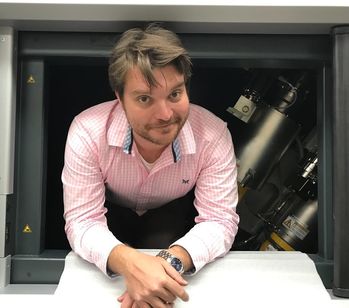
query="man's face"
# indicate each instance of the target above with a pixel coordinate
(157, 113)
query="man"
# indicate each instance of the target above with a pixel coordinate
(139, 152)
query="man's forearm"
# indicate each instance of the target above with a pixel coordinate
(120, 255)
(118, 258)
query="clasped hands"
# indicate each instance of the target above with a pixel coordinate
(151, 282)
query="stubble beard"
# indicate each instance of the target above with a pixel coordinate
(146, 131)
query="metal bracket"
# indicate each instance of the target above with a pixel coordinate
(5, 271)
(8, 60)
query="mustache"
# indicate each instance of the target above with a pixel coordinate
(162, 123)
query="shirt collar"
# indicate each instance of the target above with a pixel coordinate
(186, 139)
(128, 141)
(118, 127)
(120, 134)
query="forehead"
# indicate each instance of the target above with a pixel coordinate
(166, 77)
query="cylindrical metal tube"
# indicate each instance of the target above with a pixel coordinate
(298, 224)
(267, 137)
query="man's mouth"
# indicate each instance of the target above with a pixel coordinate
(164, 125)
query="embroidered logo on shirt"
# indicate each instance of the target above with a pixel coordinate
(185, 181)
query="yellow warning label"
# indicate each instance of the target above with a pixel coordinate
(288, 222)
(30, 79)
(27, 229)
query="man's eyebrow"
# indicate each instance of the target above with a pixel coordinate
(144, 91)
(140, 91)
(179, 85)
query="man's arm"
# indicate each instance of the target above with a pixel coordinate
(216, 198)
(84, 197)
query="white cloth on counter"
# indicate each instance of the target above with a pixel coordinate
(240, 279)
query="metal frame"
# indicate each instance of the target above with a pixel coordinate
(8, 60)
(211, 16)
(273, 51)
(340, 163)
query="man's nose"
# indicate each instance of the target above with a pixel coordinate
(163, 110)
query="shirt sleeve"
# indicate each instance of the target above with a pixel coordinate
(216, 197)
(84, 196)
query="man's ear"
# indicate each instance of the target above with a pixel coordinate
(118, 98)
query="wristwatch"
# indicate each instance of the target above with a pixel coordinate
(175, 262)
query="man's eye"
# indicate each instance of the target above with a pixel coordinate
(144, 99)
(175, 95)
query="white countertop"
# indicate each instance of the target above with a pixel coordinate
(244, 279)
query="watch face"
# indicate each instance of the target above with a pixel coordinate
(177, 264)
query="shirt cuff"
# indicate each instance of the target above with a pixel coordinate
(197, 251)
(98, 242)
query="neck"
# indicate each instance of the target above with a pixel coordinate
(149, 151)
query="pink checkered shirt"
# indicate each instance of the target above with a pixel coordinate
(101, 157)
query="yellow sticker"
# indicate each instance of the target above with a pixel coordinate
(31, 79)
(288, 222)
(27, 229)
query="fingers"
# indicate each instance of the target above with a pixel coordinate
(127, 301)
(178, 292)
(121, 297)
(160, 290)
(141, 305)
(166, 296)
(173, 273)
(175, 285)
(170, 291)
(155, 302)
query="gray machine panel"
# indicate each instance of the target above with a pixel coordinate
(8, 58)
(215, 49)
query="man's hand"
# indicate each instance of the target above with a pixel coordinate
(150, 281)
(126, 302)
